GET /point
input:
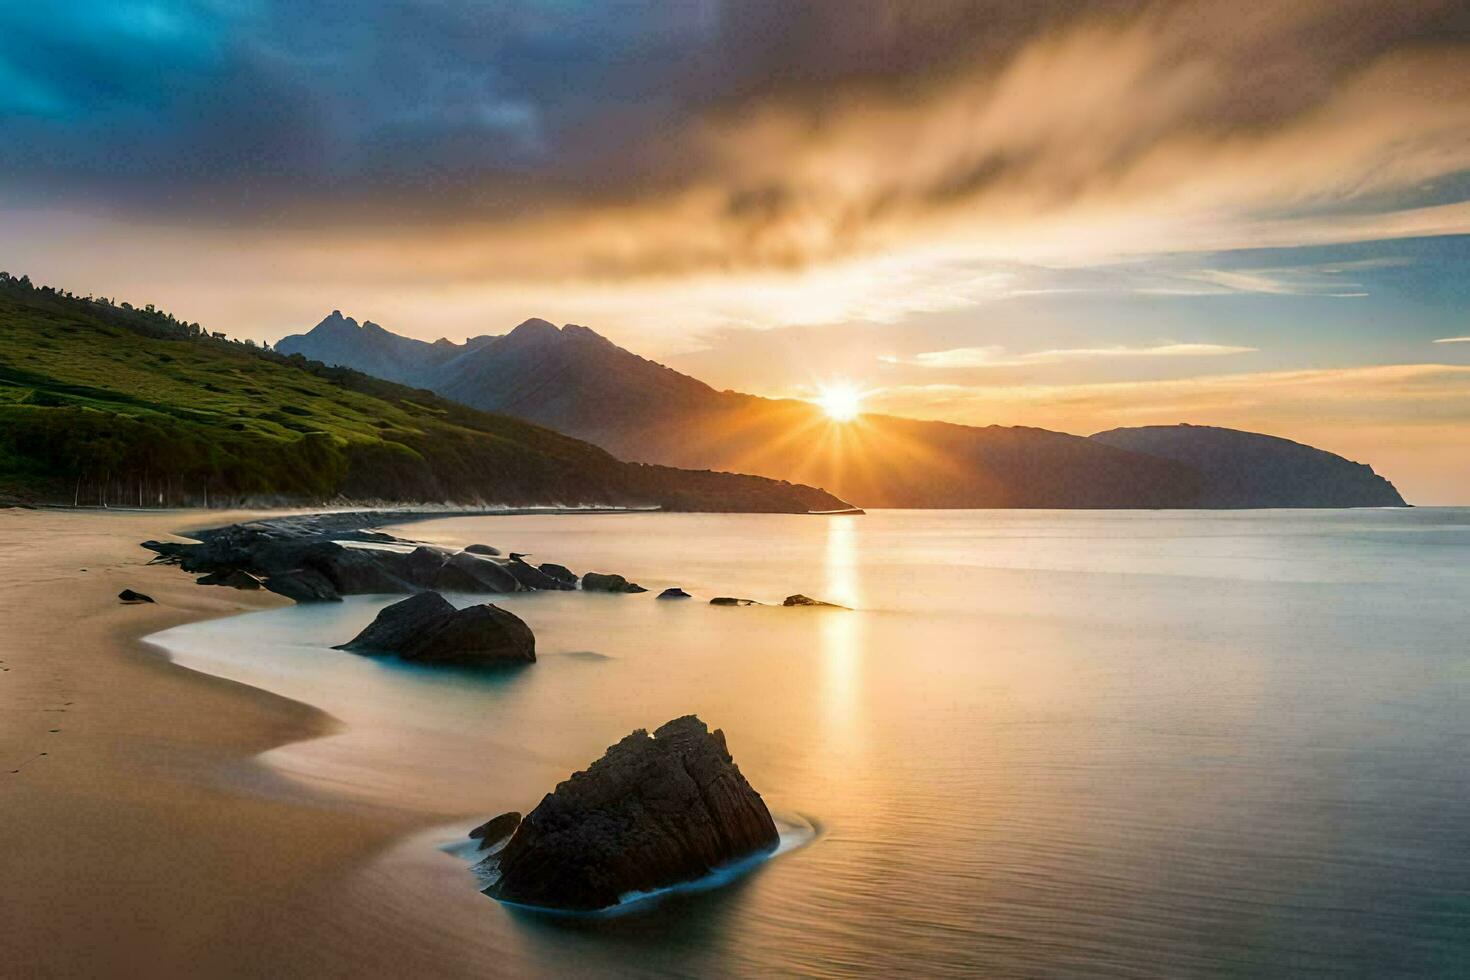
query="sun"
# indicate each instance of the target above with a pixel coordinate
(840, 402)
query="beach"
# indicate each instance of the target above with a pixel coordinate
(1038, 743)
(139, 835)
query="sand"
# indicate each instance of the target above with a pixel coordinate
(139, 837)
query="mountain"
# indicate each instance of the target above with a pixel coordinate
(104, 403)
(575, 381)
(1245, 469)
(368, 348)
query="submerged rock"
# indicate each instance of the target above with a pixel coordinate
(674, 593)
(128, 595)
(801, 600)
(654, 811)
(725, 600)
(603, 582)
(425, 628)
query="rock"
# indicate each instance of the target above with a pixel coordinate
(419, 567)
(353, 571)
(533, 578)
(726, 600)
(482, 549)
(398, 625)
(128, 595)
(303, 585)
(465, 572)
(496, 829)
(519, 555)
(235, 578)
(561, 573)
(601, 582)
(674, 593)
(425, 628)
(801, 600)
(654, 811)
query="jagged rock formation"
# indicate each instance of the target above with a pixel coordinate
(425, 628)
(1247, 469)
(654, 811)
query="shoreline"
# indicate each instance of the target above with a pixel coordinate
(135, 800)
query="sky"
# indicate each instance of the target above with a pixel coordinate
(1066, 214)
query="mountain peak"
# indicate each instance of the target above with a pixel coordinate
(535, 327)
(336, 321)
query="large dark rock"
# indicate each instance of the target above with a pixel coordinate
(654, 811)
(425, 628)
(674, 593)
(601, 582)
(303, 585)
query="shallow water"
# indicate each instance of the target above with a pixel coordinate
(1042, 743)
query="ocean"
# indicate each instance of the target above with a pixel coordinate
(1040, 743)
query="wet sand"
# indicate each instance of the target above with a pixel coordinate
(138, 836)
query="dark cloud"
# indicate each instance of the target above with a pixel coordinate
(763, 132)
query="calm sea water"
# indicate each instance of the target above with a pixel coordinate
(1043, 743)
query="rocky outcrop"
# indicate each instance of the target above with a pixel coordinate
(426, 628)
(603, 582)
(303, 585)
(674, 593)
(234, 578)
(801, 600)
(654, 811)
(483, 549)
(465, 572)
(725, 600)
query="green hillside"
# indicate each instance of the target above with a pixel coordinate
(103, 403)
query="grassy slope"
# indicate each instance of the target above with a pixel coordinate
(91, 404)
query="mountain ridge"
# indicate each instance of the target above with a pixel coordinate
(572, 379)
(110, 405)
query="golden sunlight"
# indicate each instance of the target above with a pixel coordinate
(840, 402)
